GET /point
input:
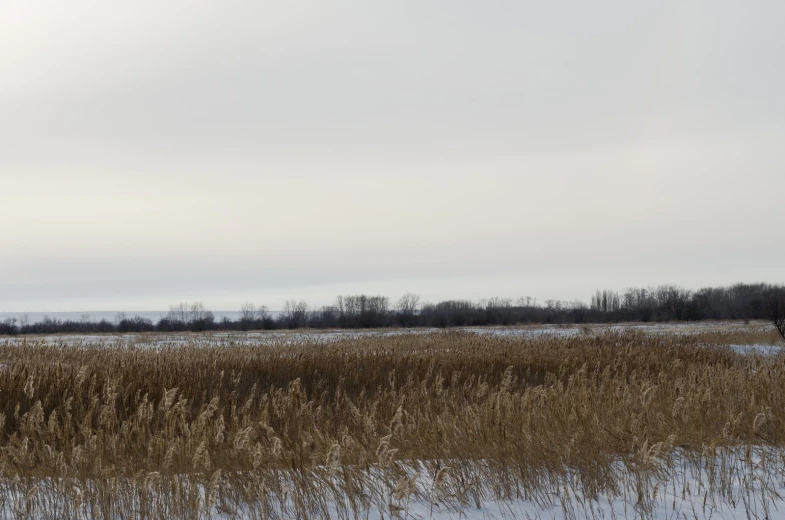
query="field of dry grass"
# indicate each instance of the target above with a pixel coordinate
(370, 426)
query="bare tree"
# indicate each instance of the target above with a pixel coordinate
(526, 301)
(408, 307)
(179, 313)
(777, 310)
(247, 316)
(190, 315)
(200, 313)
(408, 304)
(8, 326)
(262, 313)
(247, 312)
(295, 313)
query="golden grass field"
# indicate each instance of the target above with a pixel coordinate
(370, 426)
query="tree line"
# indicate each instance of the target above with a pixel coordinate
(662, 303)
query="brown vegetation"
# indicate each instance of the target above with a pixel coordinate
(293, 431)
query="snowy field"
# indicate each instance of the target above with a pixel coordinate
(718, 484)
(738, 473)
(316, 337)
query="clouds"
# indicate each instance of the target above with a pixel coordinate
(415, 79)
(297, 145)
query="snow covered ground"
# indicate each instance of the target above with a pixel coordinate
(765, 350)
(735, 483)
(316, 337)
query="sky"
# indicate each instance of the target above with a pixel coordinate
(157, 152)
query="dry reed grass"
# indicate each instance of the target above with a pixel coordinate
(333, 430)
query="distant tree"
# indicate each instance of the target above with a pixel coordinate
(201, 318)
(200, 313)
(361, 310)
(262, 313)
(247, 316)
(184, 316)
(106, 326)
(253, 317)
(135, 324)
(526, 301)
(606, 301)
(407, 306)
(9, 327)
(777, 310)
(294, 314)
(247, 312)
(498, 311)
(453, 313)
(326, 317)
(179, 314)
(740, 301)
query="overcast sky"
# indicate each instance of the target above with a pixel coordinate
(154, 152)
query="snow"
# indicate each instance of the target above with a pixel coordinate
(679, 486)
(731, 484)
(763, 350)
(319, 337)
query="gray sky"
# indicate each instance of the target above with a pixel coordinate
(154, 152)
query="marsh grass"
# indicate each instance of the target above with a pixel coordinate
(336, 430)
